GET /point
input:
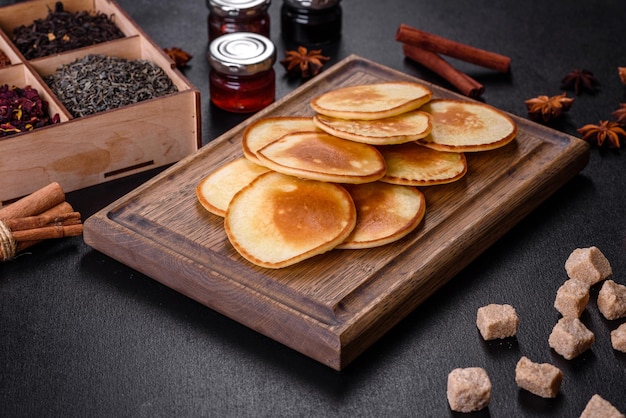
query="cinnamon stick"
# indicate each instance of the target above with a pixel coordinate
(35, 203)
(463, 82)
(412, 36)
(32, 222)
(42, 215)
(58, 210)
(48, 232)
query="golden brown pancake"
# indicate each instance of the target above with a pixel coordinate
(385, 213)
(408, 126)
(217, 189)
(372, 101)
(280, 220)
(266, 130)
(323, 157)
(412, 164)
(464, 126)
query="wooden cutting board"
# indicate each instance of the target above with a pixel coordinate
(333, 306)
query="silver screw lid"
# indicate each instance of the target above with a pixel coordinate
(242, 53)
(312, 4)
(237, 8)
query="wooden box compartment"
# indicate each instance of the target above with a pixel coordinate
(84, 151)
(25, 13)
(20, 76)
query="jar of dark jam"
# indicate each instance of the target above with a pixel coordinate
(242, 77)
(311, 22)
(229, 16)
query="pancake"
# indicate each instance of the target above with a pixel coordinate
(385, 213)
(323, 157)
(372, 101)
(408, 126)
(412, 164)
(217, 189)
(464, 126)
(280, 220)
(266, 130)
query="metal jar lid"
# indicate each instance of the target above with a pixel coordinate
(312, 4)
(237, 8)
(241, 53)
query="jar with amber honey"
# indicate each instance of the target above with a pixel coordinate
(230, 16)
(242, 77)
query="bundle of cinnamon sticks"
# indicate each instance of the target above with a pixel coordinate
(39, 216)
(425, 49)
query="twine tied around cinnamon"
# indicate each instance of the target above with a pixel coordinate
(8, 245)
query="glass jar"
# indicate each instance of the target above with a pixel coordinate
(242, 77)
(311, 22)
(229, 16)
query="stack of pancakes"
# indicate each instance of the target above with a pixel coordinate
(346, 177)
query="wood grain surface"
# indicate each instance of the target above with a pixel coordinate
(333, 306)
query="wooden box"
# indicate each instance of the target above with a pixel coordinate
(83, 151)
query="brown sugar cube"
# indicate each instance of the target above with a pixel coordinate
(469, 389)
(541, 379)
(618, 338)
(497, 321)
(570, 338)
(612, 300)
(588, 265)
(572, 298)
(600, 408)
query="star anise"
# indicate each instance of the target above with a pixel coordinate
(547, 108)
(580, 80)
(180, 57)
(604, 131)
(620, 114)
(622, 74)
(305, 63)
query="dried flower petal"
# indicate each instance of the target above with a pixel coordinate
(547, 108)
(604, 131)
(579, 81)
(305, 63)
(22, 110)
(620, 114)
